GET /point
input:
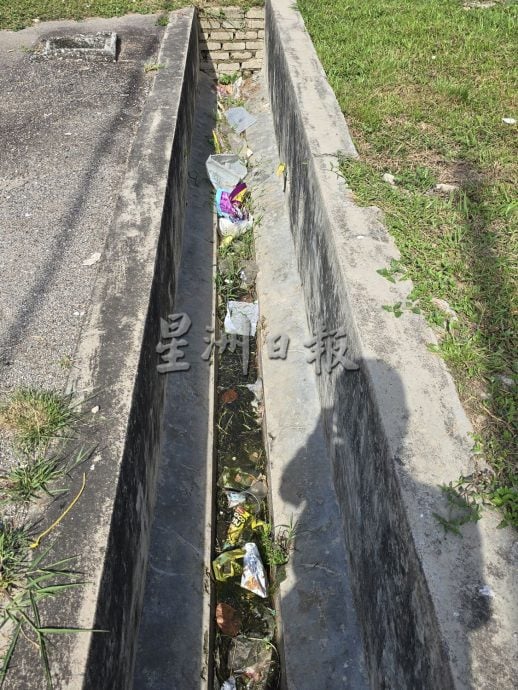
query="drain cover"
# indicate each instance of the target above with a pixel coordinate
(98, 46)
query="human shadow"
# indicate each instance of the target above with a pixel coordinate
(415, 589)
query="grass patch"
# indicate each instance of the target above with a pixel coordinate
(34, 417)
(20, 614)
(153, 67)
(17, 15)
(425, 86)
(28, 480)
(14, 544)
(31, 419)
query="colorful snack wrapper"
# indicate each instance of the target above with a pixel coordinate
(254, 576)
(243, 523)
(236, 527)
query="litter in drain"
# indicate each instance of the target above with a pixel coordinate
(99, 46)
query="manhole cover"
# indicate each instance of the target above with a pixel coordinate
(99, 46)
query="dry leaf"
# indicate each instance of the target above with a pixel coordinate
(228, 619)
(229, 396)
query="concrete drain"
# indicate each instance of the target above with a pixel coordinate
(99, 46)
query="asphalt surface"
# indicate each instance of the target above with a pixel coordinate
(66, 127)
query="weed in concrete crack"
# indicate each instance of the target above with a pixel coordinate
(463, 506)
(66, 362)
(163, 20)
(153, 67)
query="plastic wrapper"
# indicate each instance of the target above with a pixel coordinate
(240, 119)
(228, 564)
(241, 318)
(229, 684)
(234, 228)
(258, 489)
(225, 170)
(252, 659)
(236, 88)
(248, 273)
(230, 204)
(235, 478)
(235, 498)
(243, 524)
(253, 577)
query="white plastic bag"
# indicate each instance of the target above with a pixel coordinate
(253, 577)
(241, 318)
(236, 228)
(225, 170)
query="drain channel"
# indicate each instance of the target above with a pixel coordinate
(249, 553)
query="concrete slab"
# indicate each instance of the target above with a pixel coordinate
(101, 45)
(66, 129)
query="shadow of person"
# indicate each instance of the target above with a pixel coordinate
(370, 561)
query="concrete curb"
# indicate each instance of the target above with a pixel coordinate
(396, 429)
(109, 527)
(320, 639)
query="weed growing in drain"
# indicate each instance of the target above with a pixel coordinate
(276, 548)
(226, 79)
(34, 417)
(232, 258)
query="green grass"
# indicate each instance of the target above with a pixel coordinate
(34, 417)
(31, 419)
(20, 614)
(17, 14)
(424, 86)
(14, 544)
(32, 477)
